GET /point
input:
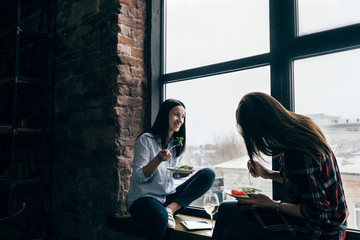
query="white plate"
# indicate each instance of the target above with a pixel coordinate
(228, 191)
(180, 170)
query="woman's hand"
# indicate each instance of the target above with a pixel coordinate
(258, 200)
(163, 155)
(261, 200)
(256, 169)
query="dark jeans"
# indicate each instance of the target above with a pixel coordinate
(153, 214)
(231, 225)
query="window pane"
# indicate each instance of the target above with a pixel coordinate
(320, 15)
(357, 215)
(203, 32)
(327, 90)
(212, 136)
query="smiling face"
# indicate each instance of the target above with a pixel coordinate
(176, 119)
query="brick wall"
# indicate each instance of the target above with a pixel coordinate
(100, 103)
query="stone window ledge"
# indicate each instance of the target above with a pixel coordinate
(128, 225)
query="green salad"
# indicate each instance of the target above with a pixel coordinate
(182, 167)
(248, 190)
(178, 141)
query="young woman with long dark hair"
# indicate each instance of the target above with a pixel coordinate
(153, 198)
(315, 206)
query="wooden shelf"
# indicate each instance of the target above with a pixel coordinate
(4, 180)
(22, 80)
(5, 128)
(30, 32)
(7, 79)
(10, 129)
(29, 130)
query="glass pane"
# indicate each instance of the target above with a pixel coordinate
(327, 90)
(320, 15)
(212, 136)
(203, 32)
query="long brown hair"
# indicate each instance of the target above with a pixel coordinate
(268, 127)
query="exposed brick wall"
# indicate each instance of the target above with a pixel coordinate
(100, 103)
(130, 107)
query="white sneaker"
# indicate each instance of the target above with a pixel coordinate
(171, 219)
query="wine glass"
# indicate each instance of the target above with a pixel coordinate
(249, 175)
(211, 205)
(250, 182)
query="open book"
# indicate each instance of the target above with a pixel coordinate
(196, 225)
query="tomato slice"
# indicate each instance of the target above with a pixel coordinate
(237, 192)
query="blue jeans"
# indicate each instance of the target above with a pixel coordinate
(153, 214)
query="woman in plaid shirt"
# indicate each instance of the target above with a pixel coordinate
(315, 207)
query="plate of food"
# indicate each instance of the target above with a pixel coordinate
(242, 192)
(182, 169)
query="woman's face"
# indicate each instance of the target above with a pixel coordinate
(176, 119)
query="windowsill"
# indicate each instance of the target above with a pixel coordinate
(127, 225)
(352, 234)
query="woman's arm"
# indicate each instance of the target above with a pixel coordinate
(145, 163)
(163, 155)
(256, 169)
(290, 209)
(317, 187)
(275, 176)
(261, 200)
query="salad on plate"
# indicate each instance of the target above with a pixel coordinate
(242, 192)
(182, 169)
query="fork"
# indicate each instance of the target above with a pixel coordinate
(174, 146)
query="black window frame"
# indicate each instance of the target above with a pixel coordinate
(286, 46)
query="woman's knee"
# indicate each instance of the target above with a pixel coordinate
(208, 173)
(227, 207)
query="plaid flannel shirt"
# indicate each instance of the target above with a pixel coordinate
(319, 191)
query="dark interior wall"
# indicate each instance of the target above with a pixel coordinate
(99, 98)
(26, 113)
(100, 102)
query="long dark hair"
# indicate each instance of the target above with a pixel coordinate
(268, 127)
(161, 125)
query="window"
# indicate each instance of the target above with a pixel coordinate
(321, 15)
(211, 102)
(193, 33)
(303, 58)
(357, 215)
(213, 31)
(327, 90)
(213, 139)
